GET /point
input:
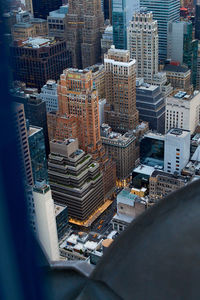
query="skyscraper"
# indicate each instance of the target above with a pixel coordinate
(122, 12)
(37, 153)
(197, 20)
(37, 60)
(75, 180)
(85, 22)
(45, 220)
(143, 44)
(29, 5)
(163, 11)
(35, 112)
(22, 142)
(120, 111)
(41, 8)
(183, 111)
(78, 97)
(78, 117)
(49, 95)
(177, 150)
(182, 47)
(151, 106)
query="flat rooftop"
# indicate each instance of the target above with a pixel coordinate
(174, 68)
(178, 132)
(147, 87)
(145, 170)
(22, 25)
(154, 135)
(161, 173)
(126, 197)
(181, 95)
(38, 42)
(58, 208)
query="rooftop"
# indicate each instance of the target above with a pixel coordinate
(123, 218)
(58, 208)
(38, 20)
(126, 197)
(41, 188)
(143, 169)
(165, 174)
(22, 25)
(181, 95)
(174, 68)
(178, 132)
(38, 42)
(147, 87)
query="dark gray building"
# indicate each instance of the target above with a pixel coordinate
(41, 8)
(150, 103)
(61, 213)
(38, 154)
(35, 112)
(197, 20)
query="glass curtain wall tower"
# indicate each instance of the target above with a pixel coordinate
(163, 11)
(122, 12)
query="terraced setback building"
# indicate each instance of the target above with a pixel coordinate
(75, 179)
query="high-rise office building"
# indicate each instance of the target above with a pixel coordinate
(49, 95)
(120, 79)
(57, 22)
(61, 212)
(41, 8)
(177, 150)
(33, 28)
(37, 154)
(36, 60)
(29, 5)
(123, 149)
(77, 96)
(107, 40)
(22, 142)
(85, 24)
(183, 111)
(107, 10)
(35, 112)
(179, 76)
(122, 12)
(150, 103)
(45, 221)
(197, 20)
(78, 117)
(143, 44)
(98, 77)
(163, 11)
(182, 47)
(198, 69)
(75, 179)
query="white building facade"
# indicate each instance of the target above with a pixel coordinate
(143, 44)
(45, 221)
(182, 111)
(177, 150)
(49, 95)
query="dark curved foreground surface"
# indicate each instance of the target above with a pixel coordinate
(157, 257)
